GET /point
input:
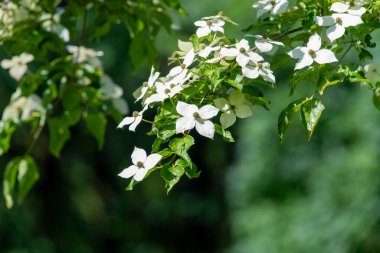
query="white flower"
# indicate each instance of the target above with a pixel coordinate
(353, 7)
(241, 52)
(254, 69)
(372, 72)
(265, 44)
(313, 52)
(205, 51)
(198, 118)
(235, 106)
(23, 108)
(17, 65)
(82, 54)
(150, 84)
(133, 121)
(275, 7)
(177, 74)
(337, 24)
(51, 23)
(206, 27)
(163, 91)
(184, 48)
(109, 89)
(141, 164)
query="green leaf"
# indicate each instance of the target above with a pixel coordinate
(6, 132)
(24, 172)
(255, 96)
(227, 136)
(141, 51)
(311, 111)
(326, 84)
(180, 146)
(96, 123)
(172, 174)
(59, 134)
(287, 116)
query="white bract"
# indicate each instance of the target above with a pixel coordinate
(275, 7)
(255, 69)
(133, 121)
(184, 48)
(17, 65)
(205, 51)
(149, 84)
(141, 164)
(163, 91)
(265, 44)
(179, 73)
(241, 52)
(109, 89)
(208, 26)
(22, 107)
(235, 106)
(198, 118)
(312, 52)
(353, 7)
(337, 24)
(82, 54)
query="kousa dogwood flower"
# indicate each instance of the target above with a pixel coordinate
(241, 52)
(235, 106)
(109, 89)
(255, 69)
(17, 65)
(265, 44)
(23, 108)
(184, 48)
(141, 164)
(163, 91)
(133, 121)
(208, 26)
(177, 74)
(353, 7)
(82, 54)
(198, 118)
(275, 7)
(337, 24)
(205, 51)
(312, 52)
(149, 84)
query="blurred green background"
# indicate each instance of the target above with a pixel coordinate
(254, 196)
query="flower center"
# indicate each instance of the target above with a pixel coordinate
(242, 50)
(209, 22)
(339, 21)
(145, 84)
(260, 65)
(172, 85)
(167, 91)
(352, 3)
(312, 53)
(196, 115)
(221, 44)
(273, 3)
(135, 114)
(140, 165)
(183, 66)
(202, 46)
(221, 13)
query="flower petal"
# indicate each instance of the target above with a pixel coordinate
(242, 59)
(325, 21)
(339, 7)
(325, 56)
(185, 109)
(263, 45)
(227, 119)
(250, 71)
(183, 124)
(126, 121)
(205, 128)
(280, 7)
(140, 174)
(152, 160)
(175, 71)
(200, 23)
(203, 31)
(135, 123)
(255, 57)
(348, 19)
(189, 58)
(243, 111)
(128, 172)
(314, 42)
(335, 32)
(305, 61)
(208, 111)
(229, 52)
(243, 44)
(138, 155)
(298, 52)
